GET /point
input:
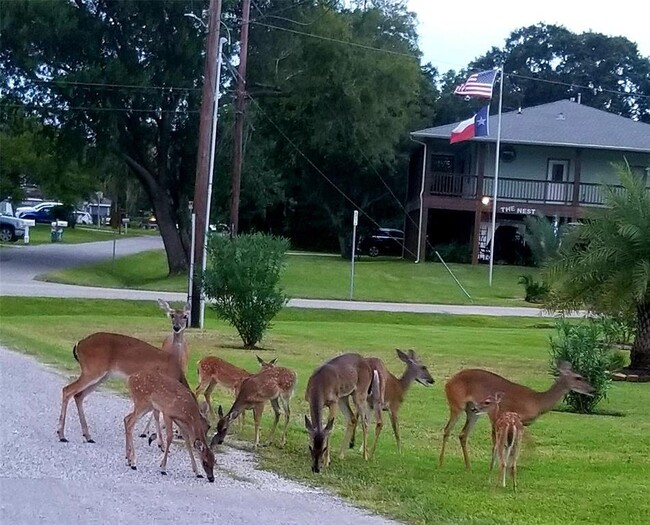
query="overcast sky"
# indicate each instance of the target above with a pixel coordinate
(453, 33)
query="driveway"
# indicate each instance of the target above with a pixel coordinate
(45, 481)
(21, 264)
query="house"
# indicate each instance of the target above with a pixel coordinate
(554, 159)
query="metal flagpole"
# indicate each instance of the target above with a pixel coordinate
(496, 177)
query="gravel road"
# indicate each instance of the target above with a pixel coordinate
(45, 481)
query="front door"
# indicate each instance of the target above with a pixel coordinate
(557, 189)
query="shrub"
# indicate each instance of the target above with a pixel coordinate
(536, 292)
(587, 347)
(242, 279)
(453, 252)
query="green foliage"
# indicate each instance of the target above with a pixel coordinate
(242, 279)
(536, 291)
(542, 238)
(588, 347)
(453, 252)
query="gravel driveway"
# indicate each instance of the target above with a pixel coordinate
(43, 480)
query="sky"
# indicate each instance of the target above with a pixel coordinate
(452, 37)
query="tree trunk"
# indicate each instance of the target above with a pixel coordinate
(640, 355)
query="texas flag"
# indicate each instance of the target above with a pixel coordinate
(477, 126)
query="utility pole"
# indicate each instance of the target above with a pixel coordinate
(238, 132)
(204, 153)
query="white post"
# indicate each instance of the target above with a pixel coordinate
(192, 248)
(496, 179)
(355, 222)
(424, 172)
(26, 237)
(213, 141)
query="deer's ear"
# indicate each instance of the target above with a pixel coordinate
(220, 412)
(273, 361)
(214, 441)
(164, 305)
(402, 355)
(498, 396)
(188, 307)
(259, 360)
(564, 367)
(330, 425)
(233, 415)
(308, 425)
(198, 445)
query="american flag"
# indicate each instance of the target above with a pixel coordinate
(478, 84)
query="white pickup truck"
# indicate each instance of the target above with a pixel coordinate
(12, 228)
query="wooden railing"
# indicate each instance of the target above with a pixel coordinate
(517, 190)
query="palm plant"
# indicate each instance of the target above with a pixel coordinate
(543, 238)
(604, 264)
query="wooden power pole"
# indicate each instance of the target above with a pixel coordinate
(238, 132)
(203, 160)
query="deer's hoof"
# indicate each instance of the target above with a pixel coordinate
(143, 435)
(63, 440)
(163, 472)
(90, 440)
(133, 467)
(199, 475)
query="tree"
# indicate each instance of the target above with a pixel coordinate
(123, 77)
(545, 63)
(543, 238)
(604, 264)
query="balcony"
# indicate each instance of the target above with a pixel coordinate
(516, 190)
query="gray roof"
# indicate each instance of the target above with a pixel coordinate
(562, 123)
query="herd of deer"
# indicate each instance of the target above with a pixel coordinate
(157, 383)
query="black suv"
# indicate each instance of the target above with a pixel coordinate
(381, 241)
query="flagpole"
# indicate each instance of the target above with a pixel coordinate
(496, 178)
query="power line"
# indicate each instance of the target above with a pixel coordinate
(116, 86)
(100, 109)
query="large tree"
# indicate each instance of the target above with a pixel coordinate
(604, 263)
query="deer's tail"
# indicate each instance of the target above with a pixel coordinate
(375, 389)
(74, 352)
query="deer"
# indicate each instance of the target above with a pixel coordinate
(396, 388)
(103, 355)
(331, 385)
(274, 384)
(213, 371)
(174, 343)
(471, 386)
(507, 431)
(152, 390)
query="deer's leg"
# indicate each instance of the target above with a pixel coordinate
(350, 423)
(257, 416)
(361, 404)
(188, 447)
(207, 395)
(84, 381)
(287, 415)
(139, 409)
(276, 411)
(454, 414)
(494, 449)
(379, 423)
(464, 435)
(145, 431)
(332, 415)
(395, 424)
(169, 437)
(78, 399)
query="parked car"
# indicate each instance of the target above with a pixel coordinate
(49, 212)
(83, 217)
(381, 241)
(11, 228)
(21, 210)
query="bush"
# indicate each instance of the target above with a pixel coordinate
(536, 292)
(453, 252)
(587, 346)
(242, 279)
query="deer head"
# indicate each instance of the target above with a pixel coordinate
(415, 368)
(317, 442)
(574, 381)
(179, 318)
(265, 364)
(207, 458)
(490, 403)
(222, 426)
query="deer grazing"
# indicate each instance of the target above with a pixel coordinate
(396, 388)
(213, 371)
(175, 342)
(103, 355)
(344, 376)
(507, 431)
(151, 390)
(474, 385)
(275, 384)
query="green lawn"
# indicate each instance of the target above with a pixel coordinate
(40, 234)
(577, 469)
(322, 277)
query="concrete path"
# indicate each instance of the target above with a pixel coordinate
(45, 481)
(20, 265)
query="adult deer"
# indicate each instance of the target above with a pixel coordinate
(175, 342)
(344, 376)
(213, 371)
(103, 355)
(151, 390)
(396, 388)
(507, 431)
(474, 385)
(275, 384)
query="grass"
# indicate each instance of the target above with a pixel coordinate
(313, 276)
(578, 469)
(40, 234)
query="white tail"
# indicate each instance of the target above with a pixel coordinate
(507, 432)
(150, 390)
(474, 385)
(331, 385)
(277, 385)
